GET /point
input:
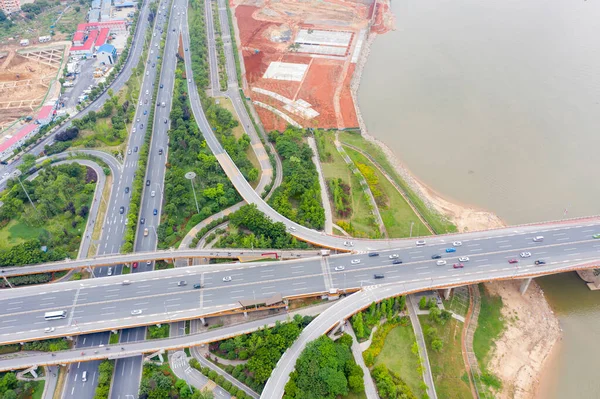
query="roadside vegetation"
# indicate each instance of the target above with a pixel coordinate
(11, 388)
(44, 345)
(399, 360)
(438, 222)
(443, 340)
(325, 369)
(490, 326)
(219, 45)
(262, 350)
(298, 196)
(188, 152)
(156, 332)
(51, 229)
(105, 373)
(250, 228)
(219, 380)
(159, 382)
(397, 215)
(350, 206)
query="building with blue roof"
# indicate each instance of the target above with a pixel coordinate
(107, 54)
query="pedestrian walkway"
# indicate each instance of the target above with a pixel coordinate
(412, 308)
(370, 389)
(467, 342)
(324, 189)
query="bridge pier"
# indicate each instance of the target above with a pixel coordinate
(203, 320)
(7, 282)
(524, 285)
(447, 293)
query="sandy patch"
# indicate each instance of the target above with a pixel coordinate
(532, 330)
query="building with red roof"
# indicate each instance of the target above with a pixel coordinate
(11, 143)
(102, 36)
(79, 38)
(88, 46)
(45, 115)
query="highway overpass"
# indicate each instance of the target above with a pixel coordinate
(106, 304)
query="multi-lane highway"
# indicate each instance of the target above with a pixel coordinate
(115, 221)
(103, 304)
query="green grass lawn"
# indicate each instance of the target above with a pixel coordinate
(439, 223)
(114, 338)
(397, 215)
(398, 357)
(38, 389)
(447, 366)
(238, 132)
(337, 168)
(489, 327)
(16, 232)
(353, 395)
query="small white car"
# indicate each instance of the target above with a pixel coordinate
(153, 193)
(463, 259)
(538, 239)
(133, 130)
(339, 268)
(457, 243)
(393, 256)
(440, 262)
(348, 244)
(525, 254)
(136, 312)
(49, 329)
(355, 261)
(420, 243)
(291, 228)
(227, 278)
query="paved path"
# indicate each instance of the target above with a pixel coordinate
(370, 389)
(324, 189)
(469, 328)
(412, 308)
(51, 381)
(198, 354)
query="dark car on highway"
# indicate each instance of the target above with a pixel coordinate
(540, 262)
(122, 210)
(436, 256)
(397, 261)
(155, 212)
(373, 254)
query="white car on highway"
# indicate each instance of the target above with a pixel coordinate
(348, 244)
(463, 259)
(440, 262)
(393, 256)
(136, 312)
(525, 254)
(457, 243)
(227, 278)
(339, 268)
(355, 261)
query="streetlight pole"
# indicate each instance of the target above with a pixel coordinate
(18, 176)
(190, 176)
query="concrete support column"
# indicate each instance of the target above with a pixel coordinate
(246, 314)
(190, 261)
(447, 293)
(203, 321)
(524, 285)
(7, 282)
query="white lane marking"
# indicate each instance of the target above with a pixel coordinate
(422, 267)
(504, 246)
(562, 239)
(475, 250)
(417, 257)
(500, 242)
(424, 273)
(570, 249)
(559, 234)
(480, 260)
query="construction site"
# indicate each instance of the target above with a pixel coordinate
(300, 57)
(28, 79)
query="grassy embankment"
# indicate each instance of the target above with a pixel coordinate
(397, 355)
(396, 213)
(334, 167)
(238, 132)
(490, 326)
(449, 373)
(437, 221)
(39, 25)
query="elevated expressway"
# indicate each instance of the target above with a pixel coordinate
(107, 304)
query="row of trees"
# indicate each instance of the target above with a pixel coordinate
(340, 193)
(105, 373)
(220, 380)
(188, 152)
(262, 348)
(364, 321)
(198, 45)
(256, 230)
(325, 370)
(298, 196)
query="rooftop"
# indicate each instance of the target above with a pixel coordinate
(24, 131)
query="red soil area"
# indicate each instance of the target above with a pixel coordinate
(317, 88)
(346, 101)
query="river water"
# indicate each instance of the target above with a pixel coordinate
(496, 104)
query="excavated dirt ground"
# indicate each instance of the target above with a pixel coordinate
(261, 22)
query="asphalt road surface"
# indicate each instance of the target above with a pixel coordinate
(99, 305)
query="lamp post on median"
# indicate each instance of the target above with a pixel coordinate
(191, 176)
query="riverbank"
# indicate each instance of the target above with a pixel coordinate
(532, 330)
(522, 350)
